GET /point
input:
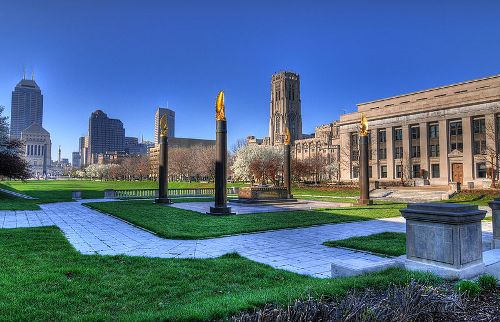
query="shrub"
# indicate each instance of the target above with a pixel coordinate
(469, 288)
(487, 282)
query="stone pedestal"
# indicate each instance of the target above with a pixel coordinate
(495, 209)
(445, 239)
(163, 172)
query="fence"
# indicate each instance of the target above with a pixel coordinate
(153, 193)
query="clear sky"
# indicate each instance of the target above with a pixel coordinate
(128, 57)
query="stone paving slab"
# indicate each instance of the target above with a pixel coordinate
(240, 208)
(298, 250)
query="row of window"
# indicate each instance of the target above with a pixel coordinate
(481, 171)
(35, 149)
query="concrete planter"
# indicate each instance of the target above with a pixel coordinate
(495, 208)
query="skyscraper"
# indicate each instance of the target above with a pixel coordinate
(170, 122)
(26, 108)
(105, 135)
(285, 108)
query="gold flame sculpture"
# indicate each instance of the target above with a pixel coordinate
(287, 136)
(163, 126)
(220, 112)
(363, 127)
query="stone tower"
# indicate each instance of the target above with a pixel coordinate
(285, 108)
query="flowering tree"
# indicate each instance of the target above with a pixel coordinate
(12, 163)
(258, 163)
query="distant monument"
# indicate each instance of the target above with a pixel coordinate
(220, 207)
(163, 164)
(364, 183)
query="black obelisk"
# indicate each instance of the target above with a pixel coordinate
(163, 166)
(288, 171)
(220, 207)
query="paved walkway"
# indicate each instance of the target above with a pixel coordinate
(298, 250)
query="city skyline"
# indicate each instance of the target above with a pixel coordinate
(347, 56)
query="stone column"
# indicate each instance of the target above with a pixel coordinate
(468, 160)
(220, 207)
(288, 171)
(495, 208)
(163, 172)
(445, 239)
(364, 183)
(390, 153)
(424, 154)
(345, 161)
(443, 152)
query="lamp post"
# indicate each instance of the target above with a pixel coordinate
(163, 164)
(220, 207)
(364, 183)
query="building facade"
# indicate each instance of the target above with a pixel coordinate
(440, 135)
(26, 107)
(105, 135)
(37, 148)
(75, 160)
(285, 108)
(160, 111)
(431, 137)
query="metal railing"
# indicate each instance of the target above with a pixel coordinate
(153, 193)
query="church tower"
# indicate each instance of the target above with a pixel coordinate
(285, 108)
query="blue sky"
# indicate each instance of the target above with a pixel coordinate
(128, 57)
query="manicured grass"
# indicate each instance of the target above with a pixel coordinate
(43, 278)
(176, 223)
(392, 244)
(479, 198)
(8, 202)
(60, 190)
(325, 191)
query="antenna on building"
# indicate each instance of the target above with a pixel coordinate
(33, 74)
(24, 72)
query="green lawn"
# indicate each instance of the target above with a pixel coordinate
(392, 244)
(8, 202)
(479, 198)
(43, 278)
(60, 190)
(325, 191)
(176, 223)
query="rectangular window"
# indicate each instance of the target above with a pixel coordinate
(416, 171)
(481, 170)
(435, 171)
(398, 143)
(415, 152)
(382, 145)
(399, 171)
(415, 132)
(369, 171)
(354, 147)
(479, 136)
(456, 136)
(434, 140)
(415, 141)
(355, 172)
(383, 171)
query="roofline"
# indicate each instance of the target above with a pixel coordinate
(430, 89)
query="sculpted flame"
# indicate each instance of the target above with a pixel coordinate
(220, 113)
(363, 128)
(287, 136)
(163, 126)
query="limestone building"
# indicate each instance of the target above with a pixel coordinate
(439, 135)
(37, 147)
(435, 136)
(285, 108)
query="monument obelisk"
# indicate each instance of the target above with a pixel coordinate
(220, 207)
(364, 183)
(163, 164)
(287, 173)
